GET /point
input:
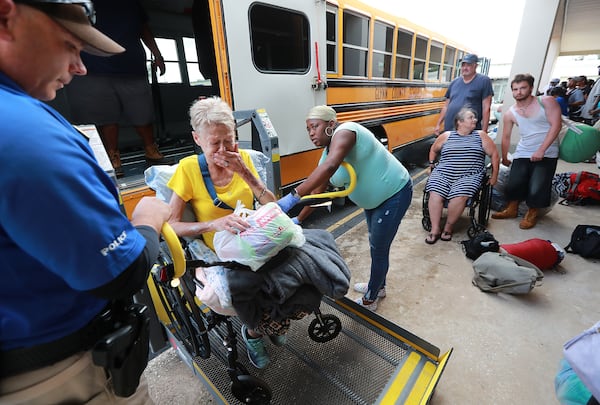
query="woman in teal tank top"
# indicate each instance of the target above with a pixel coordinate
(383, 187)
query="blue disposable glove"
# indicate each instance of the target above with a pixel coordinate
(287, 202)
(296, 221)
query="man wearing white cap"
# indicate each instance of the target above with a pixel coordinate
(67, 252)
(472, 90)
(551, 84)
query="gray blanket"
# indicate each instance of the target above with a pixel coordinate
(294, 280)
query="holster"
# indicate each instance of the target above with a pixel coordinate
(123, 352)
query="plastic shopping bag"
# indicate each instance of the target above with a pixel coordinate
(270, 231)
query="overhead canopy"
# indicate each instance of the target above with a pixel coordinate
(577, 25)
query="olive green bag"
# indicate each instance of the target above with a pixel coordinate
(502, 272)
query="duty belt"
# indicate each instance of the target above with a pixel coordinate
(17, 361)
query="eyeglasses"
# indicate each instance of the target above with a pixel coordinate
(88, 6)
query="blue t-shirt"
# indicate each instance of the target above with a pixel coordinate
(470, 94)
(122, 21)
(379, 175)
(61, 228)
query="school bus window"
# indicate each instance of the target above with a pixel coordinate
(383, 35)
(448, 63)
(195, 76)
(420, 58)
(331, 40)
(435, 61)
(356, 43)
(403, 54)
(168, 50)
(280, 39)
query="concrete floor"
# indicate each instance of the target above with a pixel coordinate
(506, 347)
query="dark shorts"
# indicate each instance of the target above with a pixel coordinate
(103, 100)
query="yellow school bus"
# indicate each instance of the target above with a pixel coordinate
(283, 57)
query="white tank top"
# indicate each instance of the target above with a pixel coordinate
(533, 131)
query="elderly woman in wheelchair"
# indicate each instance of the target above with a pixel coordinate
(232, 176)
(459, 172)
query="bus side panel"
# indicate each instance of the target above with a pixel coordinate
(298, 166)
(411, 130)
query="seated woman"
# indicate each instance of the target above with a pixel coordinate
(459, 172)
(234, 178)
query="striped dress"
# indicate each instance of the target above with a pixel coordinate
(461, 166)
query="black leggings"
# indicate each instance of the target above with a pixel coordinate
(531, 181)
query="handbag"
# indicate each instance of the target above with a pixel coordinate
(583, 354)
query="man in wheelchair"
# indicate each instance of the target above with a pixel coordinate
(459, 173)
(213, 183)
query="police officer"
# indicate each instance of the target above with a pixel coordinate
(66, 250)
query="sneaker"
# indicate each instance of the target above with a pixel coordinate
(257, 353)
(278, 340)
(363, 287)
(371, 306)
(152, 152)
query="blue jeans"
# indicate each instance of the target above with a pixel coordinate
(383, 222)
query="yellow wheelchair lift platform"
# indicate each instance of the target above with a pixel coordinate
(371, 361)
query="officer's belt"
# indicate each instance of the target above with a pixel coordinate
(17, 361)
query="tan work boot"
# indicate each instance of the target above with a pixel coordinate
(530, 219)
(152, 152)
(510, 211)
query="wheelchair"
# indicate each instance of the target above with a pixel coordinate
(200, 329)
(478, 207)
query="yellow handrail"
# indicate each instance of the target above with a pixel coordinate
(340, 193)
(176, 251)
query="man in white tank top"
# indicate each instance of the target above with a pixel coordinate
(535, 158)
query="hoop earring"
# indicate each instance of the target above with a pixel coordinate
(330, 133)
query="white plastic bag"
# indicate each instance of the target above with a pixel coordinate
(270, 231)
(215, 293)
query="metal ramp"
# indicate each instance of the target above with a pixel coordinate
(371, 361)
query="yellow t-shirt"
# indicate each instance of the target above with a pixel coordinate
(188, 184)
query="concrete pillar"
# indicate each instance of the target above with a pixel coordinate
(531, 50)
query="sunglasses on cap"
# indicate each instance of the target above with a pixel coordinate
(88, 6)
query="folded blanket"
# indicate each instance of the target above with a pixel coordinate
(293, 280)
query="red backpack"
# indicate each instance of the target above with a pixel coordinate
(584, 189)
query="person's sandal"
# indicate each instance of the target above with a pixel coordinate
(446, 236)
(432, 238)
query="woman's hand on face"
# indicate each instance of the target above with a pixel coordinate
(230, 160)
(232, 223)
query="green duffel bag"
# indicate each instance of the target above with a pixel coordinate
(502, 272)
(580, 142)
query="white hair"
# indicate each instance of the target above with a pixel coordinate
(211, 111)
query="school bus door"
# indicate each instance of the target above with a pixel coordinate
(273, 64)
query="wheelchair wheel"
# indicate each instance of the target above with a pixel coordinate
(475, 230)
(251, 390)
(187, 327)
(485, 205)
(426, 221)
(324, 328)
(176, 295)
